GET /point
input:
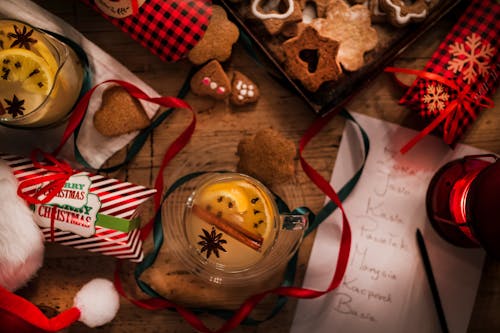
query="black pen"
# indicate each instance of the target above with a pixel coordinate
(432, 281)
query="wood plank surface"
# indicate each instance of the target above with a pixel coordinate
(221, 125)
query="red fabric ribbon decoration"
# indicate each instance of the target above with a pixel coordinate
(247, 307)
(50, 182)
(451, 115)
(19, 315)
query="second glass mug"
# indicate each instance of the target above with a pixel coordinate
(41, 77)
(226, 229)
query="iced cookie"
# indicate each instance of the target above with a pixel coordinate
(268, 157)
(273, 19)
(311, 58)
(119, 113)
(400, 13)
(351, 27)
(217, 43)
(212, 81)
(243, 90)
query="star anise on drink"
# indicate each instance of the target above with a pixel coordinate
(22, 38)
(211, 242)
(15, 106)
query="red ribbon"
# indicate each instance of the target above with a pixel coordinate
(16, 313)
(51, 181)
(247, 307)
(454, 111)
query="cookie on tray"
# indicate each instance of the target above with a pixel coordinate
(312, 58)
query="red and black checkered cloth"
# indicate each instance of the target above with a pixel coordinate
(480, 23)
(168, 28)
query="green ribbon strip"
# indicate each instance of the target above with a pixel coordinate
(289, 277)
(140, 139)
(116, 223)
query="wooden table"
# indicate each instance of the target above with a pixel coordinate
(66, 269)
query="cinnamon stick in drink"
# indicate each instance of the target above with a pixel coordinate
(234, 230)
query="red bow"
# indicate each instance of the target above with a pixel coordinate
(451, 115)
(49, 183)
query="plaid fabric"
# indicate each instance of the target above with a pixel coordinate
(168, 28)
(469, 55)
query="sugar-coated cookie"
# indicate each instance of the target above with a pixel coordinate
(268, 157)
(322, 65)
(212, 81)
(243, 90)
(217, 43)
(272, 18)
(351, 27)
(119, 113)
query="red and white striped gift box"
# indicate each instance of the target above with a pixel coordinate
(113, 228)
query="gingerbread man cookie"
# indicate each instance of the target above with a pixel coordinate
(212, 81)
(351, 27)
(217, 43)
(399, 13)
(321, 67)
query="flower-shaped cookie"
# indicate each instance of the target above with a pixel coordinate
(351, 27)
(217, 43)
(321, 65)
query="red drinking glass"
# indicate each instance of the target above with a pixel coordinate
(463, 202)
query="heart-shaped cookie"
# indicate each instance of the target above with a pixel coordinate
(119, 113)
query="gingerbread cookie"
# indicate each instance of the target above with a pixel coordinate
(319, 6)
(311, 58)
(399, 13)
(217, 43)
(119, 113)
(273, 20)
(351, 27)
(268, 157)
(212, 81)
(243, 90)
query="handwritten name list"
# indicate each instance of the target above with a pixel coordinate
(384, 288)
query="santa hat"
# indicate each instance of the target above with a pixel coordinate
(95, 304)
(21, 255)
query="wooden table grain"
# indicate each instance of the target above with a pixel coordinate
(66, 269)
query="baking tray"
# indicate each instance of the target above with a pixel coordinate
(333, 95)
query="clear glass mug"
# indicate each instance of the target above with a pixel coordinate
(40, 77)
(226, 229)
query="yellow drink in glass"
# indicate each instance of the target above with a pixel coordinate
(40, 77)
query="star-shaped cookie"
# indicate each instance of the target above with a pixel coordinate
(321, 67)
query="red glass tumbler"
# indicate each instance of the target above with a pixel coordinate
(463, 202)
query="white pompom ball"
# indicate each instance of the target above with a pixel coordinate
(98, 302)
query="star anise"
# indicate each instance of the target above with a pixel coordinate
(15, 106)
(211, 242)
(22, 37)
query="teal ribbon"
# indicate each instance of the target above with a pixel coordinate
(290, 272)
(140, 139)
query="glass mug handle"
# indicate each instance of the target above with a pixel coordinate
(293, 221)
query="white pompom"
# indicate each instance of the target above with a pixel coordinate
(98, 302)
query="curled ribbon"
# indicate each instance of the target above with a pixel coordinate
(454, 111)
(49, 183)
